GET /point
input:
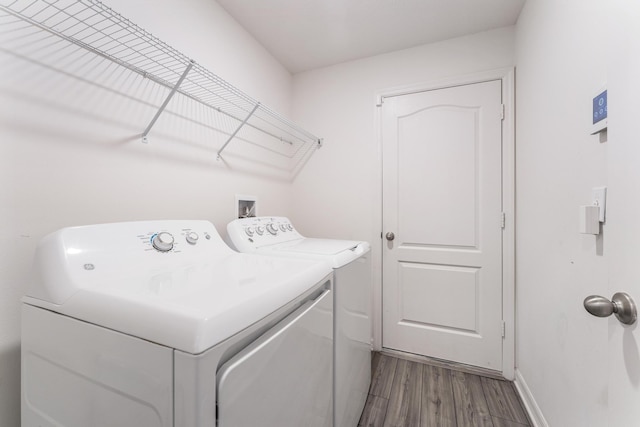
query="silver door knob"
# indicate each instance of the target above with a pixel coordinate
(390, 236)
(621, 304)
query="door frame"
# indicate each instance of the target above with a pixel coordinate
(507, 77)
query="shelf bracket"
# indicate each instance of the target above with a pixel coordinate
(166, 101)
(233, 135)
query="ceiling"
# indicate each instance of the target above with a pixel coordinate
(308, 34)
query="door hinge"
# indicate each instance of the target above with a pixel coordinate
(502, 108)
(504, 329)
(503, 220)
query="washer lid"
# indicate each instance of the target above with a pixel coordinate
(336, 253)
(312, 246)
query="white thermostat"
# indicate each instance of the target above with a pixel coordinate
(599, 112)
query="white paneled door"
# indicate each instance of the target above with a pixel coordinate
(442, 220)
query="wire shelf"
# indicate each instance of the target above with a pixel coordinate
(102, 31)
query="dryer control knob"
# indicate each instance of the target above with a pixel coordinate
(163, 241)
(260, 230)
(192, 238)
(271, 228)
(249, 231)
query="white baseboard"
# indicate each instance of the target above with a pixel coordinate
(532, 408)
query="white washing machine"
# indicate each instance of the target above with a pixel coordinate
(352, 300)
(160, 323)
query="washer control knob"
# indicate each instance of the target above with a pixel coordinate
(163, 241)
(260, 230)
(271, 228)
(249, 231)
(192, 237)
(290, 227)
(283, 227)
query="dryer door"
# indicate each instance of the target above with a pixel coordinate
(285, 377)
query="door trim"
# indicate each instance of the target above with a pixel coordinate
(507, 77)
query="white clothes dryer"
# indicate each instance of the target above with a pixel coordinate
(159, 323)
(352, 286)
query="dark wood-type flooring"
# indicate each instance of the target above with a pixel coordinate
(412, 394)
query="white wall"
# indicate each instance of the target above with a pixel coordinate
(70, 152)
(561, 350)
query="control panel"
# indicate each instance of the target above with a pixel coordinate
(119, 251)
(248, 234)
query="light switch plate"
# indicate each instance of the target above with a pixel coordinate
(589, 223)
(599, 198)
